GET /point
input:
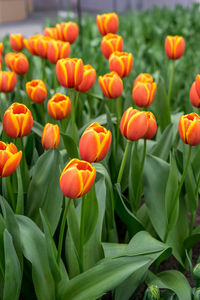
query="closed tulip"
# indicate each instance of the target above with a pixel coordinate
(174, 46)
(59, 106)
(121, 63)
(57, 50)
(99, 139)
(143, 91)
(17, 120)
(77, 178)
(111, 43)
(195, 92)
(16, 41)
(107, 23)
(67, 31)
(42, 45)
(111, 85)
(17, 62)
(50, 136)
(189, 129)
(1, 48)
(9, 159)
(69, 72)
(89, 77)
(36, 90)
(51, 32)
(8, 81)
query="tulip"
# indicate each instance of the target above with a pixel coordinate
(174, 46)
(89, 77)
(1, 48)
(67, 31)
(50, 136)
(151, 127)
(99, 139)
(8, 81)
(36, 90)
(17, 120)
(50, 32)
(111, 85)
(111, 43)
(57, 50)
(77, 178)
(195, 92)
(69, 72)
(143, 92)
(9, 159)
(107, 23)
(59, 106)
(16, 41)
(42, 45)
(121, 63)
(189, 129)
(17, 62)
(31, 44)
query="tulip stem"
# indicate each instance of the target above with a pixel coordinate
(44, 69)
(20, 195)
(123, 161)
(170, 83)
(73, 116)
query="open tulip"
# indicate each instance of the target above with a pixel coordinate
(107, 23)
(99, 139)
(89, 77)
(59, 106)
(17, 62)
(16, 41)
(36, 90)
(50, 32)
(111, 43)
(189, 129)
(57, 50)
(77, 178)
(195, 92)
(9, 159)
(121, 63)
(50, 136)
(8, 81)
(111, 85)
(17, 120)
(67, 31)
(174, 46)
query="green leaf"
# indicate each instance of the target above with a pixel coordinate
(20, 193)
(70, 145)
(134, 176)
(37, 128)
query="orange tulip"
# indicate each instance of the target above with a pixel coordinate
(9, 159)
(50, 136)
(36, 90)
(195, 92)
(67, 31)
(111, 43)
(42, 45)
(31, 44)
(121, 63)
(99, 139)
(17, 62)
(17, 120)
(57, 50)
(8, 81)
(16, 41)
(152, 125)
(59, 106)
(111, 85)
(1, 48)
(89, 77)
(69, 72)
(107, 23)
(51, 32)
(174, 46)
(77, 178)
(189, 129)
(144, 89)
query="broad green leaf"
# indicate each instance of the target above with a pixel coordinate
(70, 145)
(2, 228)
(37, 128)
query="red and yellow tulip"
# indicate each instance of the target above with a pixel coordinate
(111, 43)
(174, 46)
(107, 23)
(50, 136)
(59, 106)
(36, 90)
(57, 50)
(17, 62)
(189, 129)
(8, 81)
(111, 85)
(9, 159)
(121, 63)
(89, 77)
(16, 41)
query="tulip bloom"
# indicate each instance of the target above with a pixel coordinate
(77, 178)
(144, 89)
(59, 106)
(16, 41)
(32, 44)
(17, 62)
(51, 32)
(57, 50)
(50, 136)
(111, 85)
(99, 139)
(136, 124)
(36, 90)
(121, 63)
(1, 48)
(17, 120)
(8, 81)
(69, 72)
(189, 129)
(174, 46)
(111, 43)
(107, 23)
(67, 31)
(42, 45)
(9, 159)
(89, 77)
(195, 92)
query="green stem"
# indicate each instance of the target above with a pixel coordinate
(55, 83)
(73, 116)
(123, 161)
(10, 191)
(20, 195)
(44, 69)
(171, 83)
(119, 113)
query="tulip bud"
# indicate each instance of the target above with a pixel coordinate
(1, 48)
(111, 85)
(67, 31)
(16, 41)
(36, 90)
(17, 62)
(50, 32)
(77, 178)
(111, 43)
(153, 293)
(144, 89)
(107, 23)
(69, 72)
(17, 120)
(57, 50)
(50, 136)
(9, 159)
(174, 46)
(89, 77)
(99, 139)
(189, 129)
(8, 81)
(59, 106)
(121, 63)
